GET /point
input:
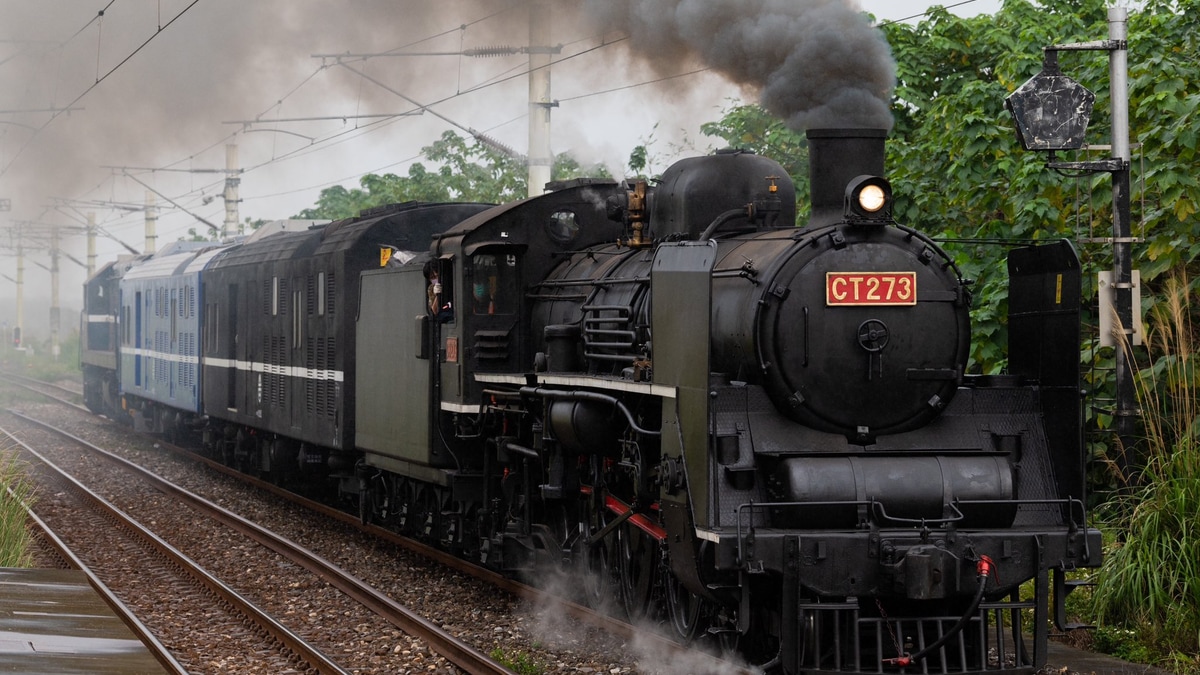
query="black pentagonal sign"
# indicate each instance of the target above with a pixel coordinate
(1051, 111)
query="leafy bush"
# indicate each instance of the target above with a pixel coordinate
(15, 492)
(1151, 575)
(518, 662)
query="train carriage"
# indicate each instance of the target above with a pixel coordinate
(160, 319)
(280, 315)
(762, 433)
(100, 339)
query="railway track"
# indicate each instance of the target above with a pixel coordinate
(184, 582)
(665, 652)
(52, 545)
(92, 527)
(69, 395)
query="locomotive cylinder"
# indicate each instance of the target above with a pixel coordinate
(583, 426)
(905, 488)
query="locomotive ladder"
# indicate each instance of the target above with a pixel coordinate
(608, 333)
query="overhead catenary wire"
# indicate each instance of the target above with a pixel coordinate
(99, 79)
(924, 14)
(460, 29)
(321, 143)
(301, 84)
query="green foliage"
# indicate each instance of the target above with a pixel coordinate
(462, 170)
(1122, 643)
(41, 364)
(642, 158)
(38, 360)
(954, 161)
(208, 234)
(960, 175)
(518, 662)
(197, 234)
(15, 492)
(752, 128)
(1149, 580)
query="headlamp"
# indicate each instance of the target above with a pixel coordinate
(869, 199)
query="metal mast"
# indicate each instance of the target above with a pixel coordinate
(1051, 112)
(232, 181)
(541, 159)
(1127, 412)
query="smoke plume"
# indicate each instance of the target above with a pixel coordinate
(815, 63)
(89, 85)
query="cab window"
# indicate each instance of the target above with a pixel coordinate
(494, 288)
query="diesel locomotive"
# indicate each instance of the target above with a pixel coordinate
(761, 432)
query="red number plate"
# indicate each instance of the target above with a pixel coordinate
(870, 288)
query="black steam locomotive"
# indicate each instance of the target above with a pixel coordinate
(764, 433)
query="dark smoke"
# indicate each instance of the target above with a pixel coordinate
(815, 63)
(167, 98)
(221, 60)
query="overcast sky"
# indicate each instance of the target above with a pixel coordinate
(90, 103)
(903, 9)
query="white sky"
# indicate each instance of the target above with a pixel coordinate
(902, 9)
(168, 106)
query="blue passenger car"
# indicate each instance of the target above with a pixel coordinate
(160, 333)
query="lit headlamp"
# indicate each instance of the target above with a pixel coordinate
(869, 198)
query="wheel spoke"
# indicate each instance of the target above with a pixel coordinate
(637, 567)
(684, 608)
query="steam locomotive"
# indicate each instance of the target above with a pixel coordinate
(765, 435)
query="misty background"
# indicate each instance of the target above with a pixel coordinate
(103, 101)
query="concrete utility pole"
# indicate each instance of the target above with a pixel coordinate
(6, 205)
(232, 181)
(541, 158)
(151, 225)
(230, 194)
(55, 319)
(31, 235)
(19, 331)
(91, 244)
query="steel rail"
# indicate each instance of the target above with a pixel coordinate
(659, 643)
(156, 648)
(458, 652)
(310, 654)
(654, 641)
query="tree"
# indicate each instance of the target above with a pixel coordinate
(463, 170)
(960, 173)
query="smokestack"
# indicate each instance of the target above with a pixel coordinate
(835, 157)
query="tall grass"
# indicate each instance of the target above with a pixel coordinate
(15, 491)
(1150, 579)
